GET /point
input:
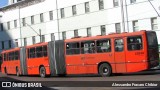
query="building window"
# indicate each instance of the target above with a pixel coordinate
(133, 1)
(8, 25)
(115, 3)
(76, 33)
(41, 17)
(2, 45)
(43, 38)
(101, 4)
(1, 26)
(16, 42)
(24, 21)
(15, 23)
(13, 1)
(103, 30)
(51, 15)
(62, 13)
(25, 41)
(154, 23)
(74, 11)
(87, 9)
(19, 0)
(118, 27)
(89, 31)
(52, 37)
(32, 19)
(33, 40)
(9, 44)
(135, 25)
(64, 35)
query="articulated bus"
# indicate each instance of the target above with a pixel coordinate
(103, 55)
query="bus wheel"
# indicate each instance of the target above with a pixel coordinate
(42, 72)
(105, 70)
(5, 71)
(17, 72)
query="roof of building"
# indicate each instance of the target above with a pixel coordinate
(20, 4)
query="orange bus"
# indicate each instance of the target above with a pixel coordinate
(11, 61)
(104, 55)
(38, 59)
(114, 53)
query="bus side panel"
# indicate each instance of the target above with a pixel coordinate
(14, 64)
(136, 59)
(23, 63)
(3, 66)
(136, 67)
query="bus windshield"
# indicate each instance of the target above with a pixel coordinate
(152, 39)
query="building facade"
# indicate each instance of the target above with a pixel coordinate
(32, 21)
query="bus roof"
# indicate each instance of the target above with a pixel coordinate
(30, 46)
(114, 35)
(38, 44)
(10, 50)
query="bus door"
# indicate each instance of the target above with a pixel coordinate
(89, 56)
(74, 62)
(120, 62)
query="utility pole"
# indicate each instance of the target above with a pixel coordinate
(20, 25)
(126, 11)
(57, 20)
(122, 14)
(40, 36)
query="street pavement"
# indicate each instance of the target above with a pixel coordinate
(95, 82)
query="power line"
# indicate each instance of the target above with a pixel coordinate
(154, 8)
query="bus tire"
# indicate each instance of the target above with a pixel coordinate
(17, 72)
(105, 70)
(42, 72)
(5, 71)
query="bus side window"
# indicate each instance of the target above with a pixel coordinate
(4, 57)
(72, 48)
(39, 52)
(45, 54)
(134, 43)
(13, 55)
(103, 46)
(16, 55)
(1, 58)
(32, 53)
(119, 45)
(28, 51)
(88, 47)
(9, 56)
